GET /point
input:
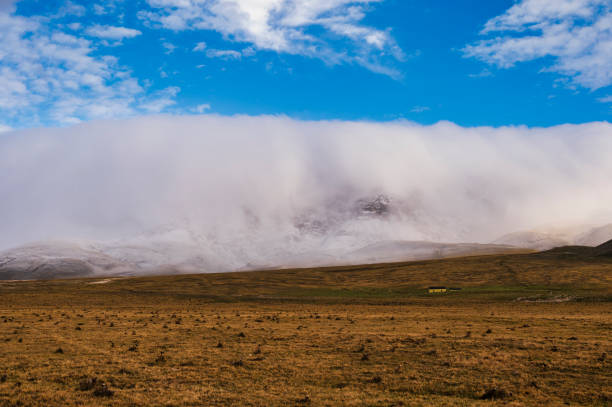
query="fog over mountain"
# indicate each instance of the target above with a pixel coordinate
(212, 193)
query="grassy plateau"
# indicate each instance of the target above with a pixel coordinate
(524, 330)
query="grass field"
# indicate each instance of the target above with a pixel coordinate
(524, 330)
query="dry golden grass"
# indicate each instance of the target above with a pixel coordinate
(320, 337)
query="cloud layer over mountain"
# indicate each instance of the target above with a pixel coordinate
(250, 190)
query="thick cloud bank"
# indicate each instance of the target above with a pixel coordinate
(227, 193)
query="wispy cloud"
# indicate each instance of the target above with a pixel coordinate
(200, 46)
(48, 76)
(287, 27)
(419, 109)
(576, 34)
(485, 73)
(605, 99)
(169, 47)
(7, 5)
(161, 100)
(202, 108)
(223, 54)
(112, 32)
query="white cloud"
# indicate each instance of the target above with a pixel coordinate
(576, 34)
(107, 7)
(99, 9)
(286, 26)
(246, 190)
(169, 47)
(200, 46)
(202, 108)
(223, 54)
(605, 99)
(248, 52)
(419, 109)
(7, 5)
(4, 128)
(112, 32)
(485, 73)
(70, 8)
(50, 77)
(161, 100)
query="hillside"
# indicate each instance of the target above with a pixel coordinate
(583, 252)
(567, 270)
(50, 260)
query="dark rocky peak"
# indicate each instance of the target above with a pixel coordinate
(380, 205)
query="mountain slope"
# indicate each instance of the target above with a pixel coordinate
(604, 249)
(64, 260)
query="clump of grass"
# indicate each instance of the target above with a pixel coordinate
(159, 360)
(87, 383)
(102, 390)
(495, 394)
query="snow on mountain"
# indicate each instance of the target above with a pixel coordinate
(371, 229)
(548, 238)
(595, 236)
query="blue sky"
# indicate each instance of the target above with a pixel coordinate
(472, 62)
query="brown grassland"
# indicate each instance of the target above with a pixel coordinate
(524, 330)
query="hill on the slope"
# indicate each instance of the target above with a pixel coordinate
(604, 249)
(585, 252)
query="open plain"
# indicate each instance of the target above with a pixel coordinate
(524, 330)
